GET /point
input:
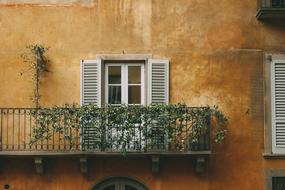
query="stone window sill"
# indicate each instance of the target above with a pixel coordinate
(273, 156)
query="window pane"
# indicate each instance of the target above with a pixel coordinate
(112, 187)
(278, 3)
(114, 95)
(114, 74)
(278, 183)
(127, 187)
(134, 95)
(134, 73)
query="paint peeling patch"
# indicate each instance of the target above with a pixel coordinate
(48, 2)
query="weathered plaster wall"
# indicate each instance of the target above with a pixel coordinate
(64, 174)
(216, 51)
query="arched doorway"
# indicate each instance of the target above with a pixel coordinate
(119, 183)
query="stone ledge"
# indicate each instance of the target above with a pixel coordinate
(102, 154)
(48, 2)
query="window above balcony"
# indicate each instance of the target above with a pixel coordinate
(124, 80)
(271, 9)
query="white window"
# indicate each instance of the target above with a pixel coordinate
(124, 84)
(138, 82)
(127, 82)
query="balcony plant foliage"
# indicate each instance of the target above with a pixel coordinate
(37, 62)
(119, 127)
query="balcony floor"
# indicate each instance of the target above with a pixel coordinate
(104, 154)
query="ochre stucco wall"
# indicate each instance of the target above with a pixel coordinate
(216, 50)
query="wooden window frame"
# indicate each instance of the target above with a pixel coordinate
(124, 81)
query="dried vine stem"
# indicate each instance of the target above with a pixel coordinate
(37, 63)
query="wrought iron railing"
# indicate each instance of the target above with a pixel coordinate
(17, 124)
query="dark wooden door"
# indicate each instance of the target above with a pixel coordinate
(119, 184)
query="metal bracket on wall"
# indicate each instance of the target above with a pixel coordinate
(83, 165)
(269, 57)
(39, 164)
(200, 163)
(155, 160)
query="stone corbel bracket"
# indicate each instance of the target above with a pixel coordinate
(200, 163)
(39, 164)
(83, 165)
(155, 162)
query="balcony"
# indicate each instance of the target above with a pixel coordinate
(271, 9)
(18, 128)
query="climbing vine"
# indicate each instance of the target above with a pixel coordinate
(35, 58)
(118, 127)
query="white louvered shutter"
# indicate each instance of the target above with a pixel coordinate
(158, 81)
(91, 82)
(278, 106)
(158, 93)
(90, 93)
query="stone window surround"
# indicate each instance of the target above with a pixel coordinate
(269, 174)
(264, 3)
